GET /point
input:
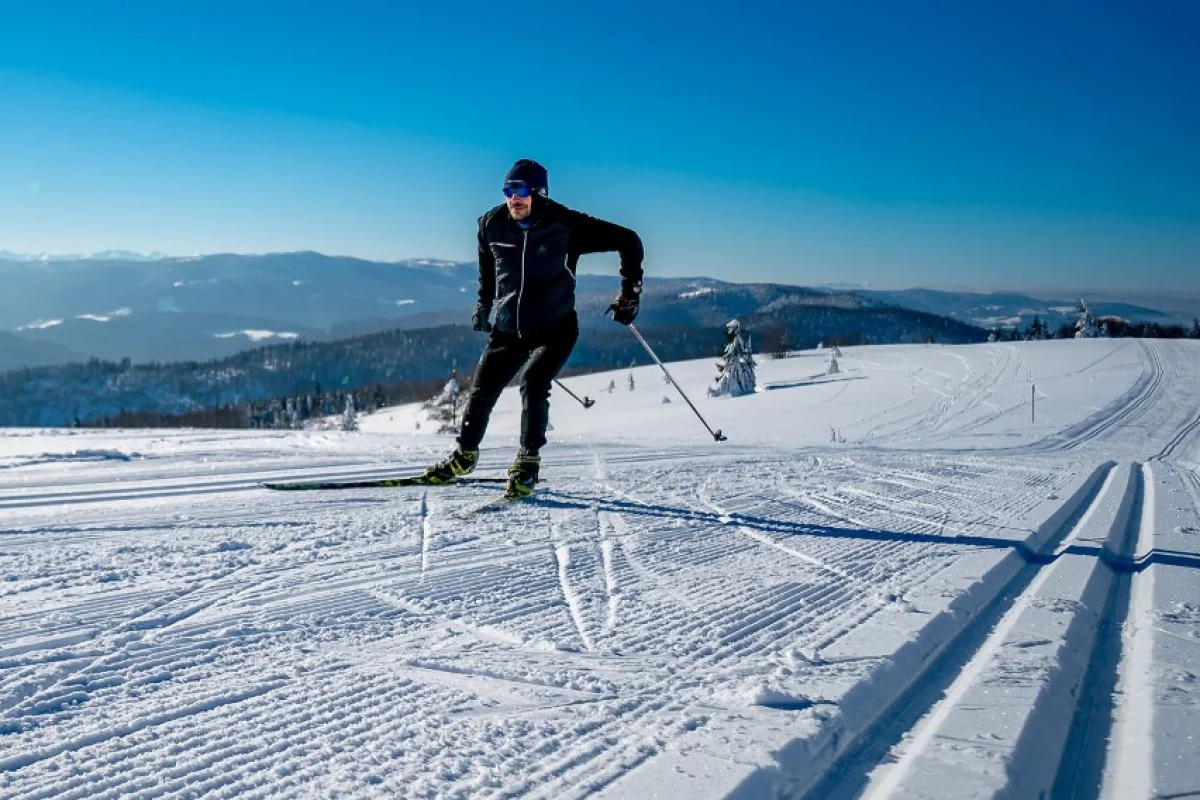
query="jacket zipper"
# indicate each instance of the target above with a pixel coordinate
(521, 288)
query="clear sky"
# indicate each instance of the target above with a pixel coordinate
(963, 143)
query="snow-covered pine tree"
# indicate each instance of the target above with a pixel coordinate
(1037, 330)
(442, 409)
(349, 418)
(735, 370)
(1195, 331)
(1086, 327)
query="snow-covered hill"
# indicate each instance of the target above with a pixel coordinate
(901, 580)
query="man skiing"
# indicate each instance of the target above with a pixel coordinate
(528, 250)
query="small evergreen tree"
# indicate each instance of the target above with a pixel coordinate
(735, 371)
(1037, 330)
(443, 407)
(1086, 327)
(1194, 333)
(349, 417)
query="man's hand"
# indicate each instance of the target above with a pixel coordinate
(479, 320)
(625, 308)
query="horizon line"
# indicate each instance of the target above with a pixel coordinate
(156, 256)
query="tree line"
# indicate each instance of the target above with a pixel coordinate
(1089, 326)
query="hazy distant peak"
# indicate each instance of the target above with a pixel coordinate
(102, 255)
(434, 263)
(125, 255)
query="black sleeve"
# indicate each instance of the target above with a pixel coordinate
(592, 235)
(487, 268)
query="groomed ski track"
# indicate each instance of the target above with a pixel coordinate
(945, 606)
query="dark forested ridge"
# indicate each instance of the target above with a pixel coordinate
(397, 365)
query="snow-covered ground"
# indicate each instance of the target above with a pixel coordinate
(902, 580)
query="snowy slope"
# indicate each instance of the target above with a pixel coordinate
(955, 598)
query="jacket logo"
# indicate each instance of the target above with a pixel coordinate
(542, 250)
(502, 244)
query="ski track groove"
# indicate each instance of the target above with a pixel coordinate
(924, 729)
(1145, 392)
(1134, 704)
(250, 482)
(562, 555)
(1183, 435)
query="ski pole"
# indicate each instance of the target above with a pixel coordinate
(586, 402)
(717, 435)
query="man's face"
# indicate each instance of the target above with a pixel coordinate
(518, 207)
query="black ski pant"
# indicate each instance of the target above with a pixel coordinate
(543, 356)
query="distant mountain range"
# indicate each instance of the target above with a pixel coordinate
(149, 307)
(196, 308)
(1007, 310)
(103, 255)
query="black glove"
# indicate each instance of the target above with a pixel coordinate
(625, 308)
(479, 320)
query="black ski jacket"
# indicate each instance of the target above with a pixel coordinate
(530, 274)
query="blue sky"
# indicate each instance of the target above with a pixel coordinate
(1023, 145)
